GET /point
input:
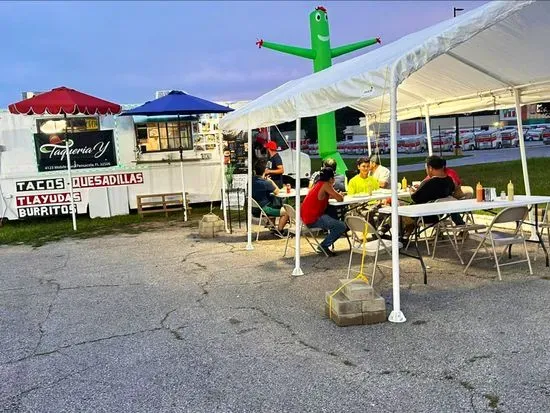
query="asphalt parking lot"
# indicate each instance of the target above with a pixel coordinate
(535, 149)
(166, 321)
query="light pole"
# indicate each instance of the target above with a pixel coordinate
(457, 135)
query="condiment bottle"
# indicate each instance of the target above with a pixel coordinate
(479, 192)
(503, 196)
(510, 191)
(404, 183)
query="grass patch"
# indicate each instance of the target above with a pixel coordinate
(411, 160)
(499, 174)
(38, 232)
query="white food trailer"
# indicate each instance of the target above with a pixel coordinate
(115, 159)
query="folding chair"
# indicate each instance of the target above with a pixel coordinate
(263, 221)
(359, 244)
(499, 238)
(304, 229)
(446, 227)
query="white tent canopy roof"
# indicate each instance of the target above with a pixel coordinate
(466, 64)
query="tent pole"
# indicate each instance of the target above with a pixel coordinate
(68, 155)
(369, 148)
(396, 316)
(523, 155)
(249, 246)
(429, 131)
(181, 173)
(297, 269)
(224, 184)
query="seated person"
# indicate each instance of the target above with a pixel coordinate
(262, 188)
(437, 186)
(314, 206)
(362, 183)
(451, 173)
(339, 180)
(381, 173)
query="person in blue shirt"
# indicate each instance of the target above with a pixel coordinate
(263, 190)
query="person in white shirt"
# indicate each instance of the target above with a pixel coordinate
(379, 172)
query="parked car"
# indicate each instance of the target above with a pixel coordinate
(468, 141)
(443, 143)
(412, 144)
(508, 136)
(535, 133)
(546, 136)
(488, 139)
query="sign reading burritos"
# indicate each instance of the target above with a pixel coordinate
(92, 149)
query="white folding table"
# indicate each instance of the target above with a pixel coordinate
(468, 205)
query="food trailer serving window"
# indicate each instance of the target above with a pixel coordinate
(164, 136)
(74, 125)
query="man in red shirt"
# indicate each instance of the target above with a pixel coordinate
(314, 207)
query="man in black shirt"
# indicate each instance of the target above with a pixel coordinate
(275, 168)
(437, 186)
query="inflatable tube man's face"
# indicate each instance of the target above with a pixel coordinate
(318, 23)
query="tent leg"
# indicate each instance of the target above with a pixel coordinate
(224, 186)
(297, 269)
(249, 246)
(396, 316)
(523, 155)
(429, 131)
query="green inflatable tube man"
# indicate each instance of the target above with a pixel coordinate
(322, 55)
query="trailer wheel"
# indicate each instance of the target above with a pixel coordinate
(499, 145)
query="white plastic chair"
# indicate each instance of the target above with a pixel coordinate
(499, 238)
(307, 232)
(359, 244)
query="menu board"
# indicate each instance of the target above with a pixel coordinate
(238, 154)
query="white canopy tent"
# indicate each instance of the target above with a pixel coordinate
(490, 58)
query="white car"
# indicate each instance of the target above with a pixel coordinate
(489, 139)
(509, 137)
(535, 134)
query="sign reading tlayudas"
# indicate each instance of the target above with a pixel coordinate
(43, 199)
(91, 149)
(132, 178)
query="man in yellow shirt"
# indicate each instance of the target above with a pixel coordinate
(362, 183)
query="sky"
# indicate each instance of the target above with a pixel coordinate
(124, 51)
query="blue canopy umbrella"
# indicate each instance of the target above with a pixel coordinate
(179, 103)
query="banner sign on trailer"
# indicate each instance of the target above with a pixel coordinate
(44, 210)
(42, 199)
(40, 185)
(91, 149)
(133, 178)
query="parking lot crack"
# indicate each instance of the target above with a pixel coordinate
(177, 335)
(292, 333)
(41, 324)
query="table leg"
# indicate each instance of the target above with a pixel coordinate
(539, 235)
(416, 236)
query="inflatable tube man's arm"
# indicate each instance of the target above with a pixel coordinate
(339, 51)
(297, 51)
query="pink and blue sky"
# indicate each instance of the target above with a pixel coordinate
(124, 51)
